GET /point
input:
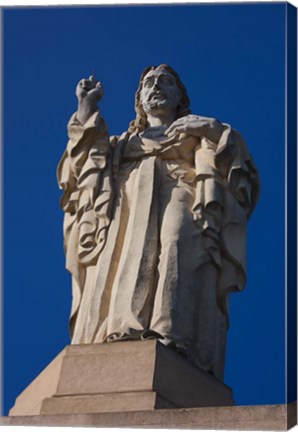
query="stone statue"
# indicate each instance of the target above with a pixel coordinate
(155, 221)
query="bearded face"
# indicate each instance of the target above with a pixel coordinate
(160, 93)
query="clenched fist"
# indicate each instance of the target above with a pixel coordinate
(89, 92)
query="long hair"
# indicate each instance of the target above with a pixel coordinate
(140, 123)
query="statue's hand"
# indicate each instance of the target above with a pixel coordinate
(89, 92)
(197, 126)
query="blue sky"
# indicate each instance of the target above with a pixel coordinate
(232, 60)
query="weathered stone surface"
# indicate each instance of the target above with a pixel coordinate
(107, 402)
(155, 221)
(260, 417)
(186, 385)
(107, 368)
(45, 385)
(138, 375)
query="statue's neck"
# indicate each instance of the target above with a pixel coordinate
(153, 132)
(161, 120)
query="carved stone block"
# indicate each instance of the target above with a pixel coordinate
(121, 376)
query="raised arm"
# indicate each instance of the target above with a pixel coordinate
(84, 176)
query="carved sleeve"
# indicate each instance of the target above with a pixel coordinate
(208, 204)
(226, 188)
(84, 177)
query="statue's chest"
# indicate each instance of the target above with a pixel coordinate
(177, 147)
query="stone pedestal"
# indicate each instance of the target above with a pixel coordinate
(119, 377)
(258, 417)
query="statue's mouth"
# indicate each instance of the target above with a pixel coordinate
(157, 95)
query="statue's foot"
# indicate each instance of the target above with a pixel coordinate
(150, 334)
(167, 341)
(115, 337)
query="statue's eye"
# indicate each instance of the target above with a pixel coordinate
(148, 83)
(166, 80)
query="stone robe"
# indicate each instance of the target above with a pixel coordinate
(176, 210)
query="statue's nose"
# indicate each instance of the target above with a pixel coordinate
(156, 85)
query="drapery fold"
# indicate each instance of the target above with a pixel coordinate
(151, 227)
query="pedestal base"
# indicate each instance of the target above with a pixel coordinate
(119, 376)
(259, 417)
